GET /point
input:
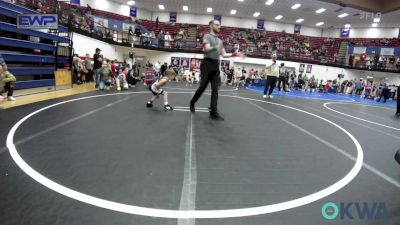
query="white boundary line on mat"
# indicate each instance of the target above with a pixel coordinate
(163, 213)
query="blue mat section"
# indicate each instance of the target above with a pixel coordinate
(325, 96)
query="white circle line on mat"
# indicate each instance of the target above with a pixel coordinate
(355, 117)
(190, 89)
(164, 213)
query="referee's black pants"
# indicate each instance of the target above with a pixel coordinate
(209, 72)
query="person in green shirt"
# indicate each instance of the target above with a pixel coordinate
(104, 76)
(272, 72)
(305, 79)
(6, 82)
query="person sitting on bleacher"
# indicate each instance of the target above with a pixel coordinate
(6, 83)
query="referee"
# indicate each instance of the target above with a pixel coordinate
(209, 69)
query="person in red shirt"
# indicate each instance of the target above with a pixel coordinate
(363, 57)
(113, 68)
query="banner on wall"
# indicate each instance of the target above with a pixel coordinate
(217, 17)
(345, 33)
(301, 68)
(359, 50)
(133, 12)
(75, 2)
(195, 64)
(297, 28)
(309, 68)
(185, 63)
(387, 51)
(125, 27)
(175, 62)
(399, 32)
(100, 22)
(260, 24)
(225, 64)
(172, 17)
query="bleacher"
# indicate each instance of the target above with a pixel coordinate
(31, 55)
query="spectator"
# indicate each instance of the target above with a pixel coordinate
(88, 66)
(161, 39)
(6, 82)
(282, 75)
(104, 76)
(98, 59)
(146, 40)
(292, 81)
(157, 21)
(138, 34)
(133, 78)
(76, 68)
(398, 102)
(88, 9)
(130, 35)
(113, 69)
(359, 87)
(305, 81)
(168, 39)
(121, 80)
(163, 69)
(150, 75)
(367, 89)
(385, 93)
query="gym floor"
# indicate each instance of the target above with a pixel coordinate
(104, 158)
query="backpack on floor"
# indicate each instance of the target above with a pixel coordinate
(397, 156)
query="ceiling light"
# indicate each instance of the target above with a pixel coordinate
(374, 24)
(347, 25)
(161, 7)
(296, 6)
(300, 20)
(343, 15)
(319, 24)
(269, 2)
(209, 10)
(233, 11)
(321, 10)
(240, 0)
(377, 20)
(131, 3)
(185, 8)
(256, 14)
(278, 17)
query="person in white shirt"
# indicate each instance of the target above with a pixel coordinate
(168, 40)
(120, 80)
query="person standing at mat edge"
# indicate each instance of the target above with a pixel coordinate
(398, 102)
(209, 68)
(97, 64)
(272, 72)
